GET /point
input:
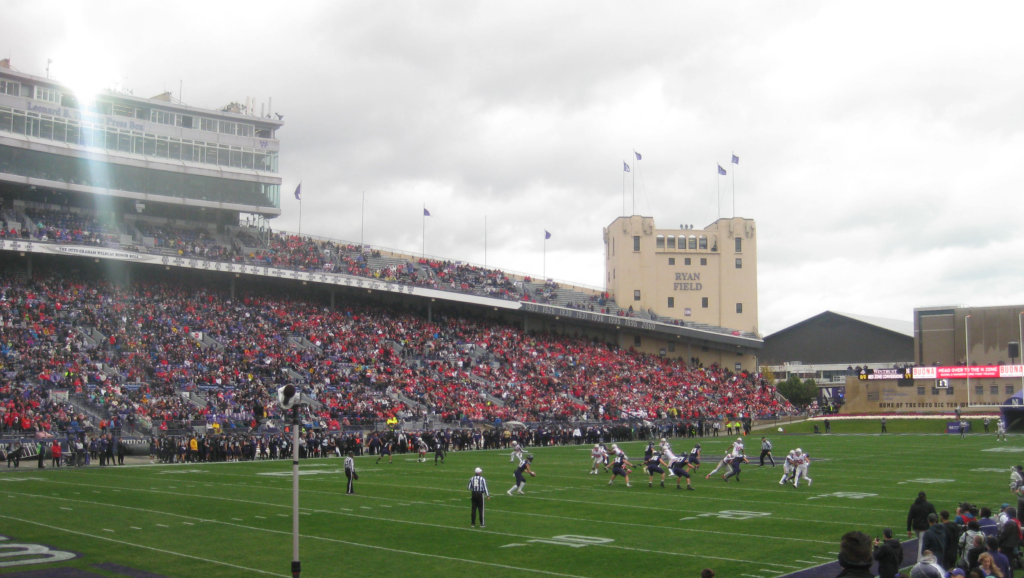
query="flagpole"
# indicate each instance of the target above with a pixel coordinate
(423, 250)
(718, 180)
(544, 270)
(635, 167)
(623, 193)
(300, 210)
(734, 187)
(485, 241)
(362, 221)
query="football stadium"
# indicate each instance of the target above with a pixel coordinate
(189, 391)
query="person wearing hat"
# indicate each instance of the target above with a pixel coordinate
(478, 492)
(1009, 533)
(855, 555)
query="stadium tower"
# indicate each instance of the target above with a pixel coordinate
(142, 160)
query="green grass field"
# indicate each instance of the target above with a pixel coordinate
(412, 519)
(874, 425)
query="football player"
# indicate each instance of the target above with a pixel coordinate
(517, 452)
(678, 465)
(599, 457)
(654, 466)
(788, 467)
(620, 466)
(802, 462)
(421, 447)
(734, 467)
(694, 462)
(524, 466)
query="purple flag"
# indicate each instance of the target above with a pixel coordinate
(298, 192)
(625, 167)
(426, 213)
(638, 157)
(721, 171)
(735, 160)
(547, 235)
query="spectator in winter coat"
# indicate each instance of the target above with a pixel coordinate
(888, 554)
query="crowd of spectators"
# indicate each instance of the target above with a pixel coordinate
(161, 342)
(62, 226)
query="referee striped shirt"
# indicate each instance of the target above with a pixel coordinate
(766, 445)
(477, 484)
(350, 464)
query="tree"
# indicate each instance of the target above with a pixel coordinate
(798, 392)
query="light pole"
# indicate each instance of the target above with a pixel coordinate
(967, 353)
(288, 399)
(1020, 347)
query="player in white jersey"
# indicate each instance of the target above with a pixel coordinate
(600, 456)
(517, 452)
(788, 467)
(737, 447)
(421, 447)
(1000, 430)
(803, 460)
(724, 462)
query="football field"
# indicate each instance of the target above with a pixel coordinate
(412, 519)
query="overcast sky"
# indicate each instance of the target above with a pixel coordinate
(880, 143)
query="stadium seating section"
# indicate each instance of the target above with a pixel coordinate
(162, 355)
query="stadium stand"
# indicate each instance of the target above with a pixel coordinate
(159, 355)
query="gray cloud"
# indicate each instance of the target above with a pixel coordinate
(878, 141)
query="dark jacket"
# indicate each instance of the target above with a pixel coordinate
(1009, 535)
(889, 555)
(952, 543)
(917, 519)
(972, 557)
(935, 540)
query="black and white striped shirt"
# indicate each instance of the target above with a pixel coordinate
(766, 445)
(350, 464)
(478, 484)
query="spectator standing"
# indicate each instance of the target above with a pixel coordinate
(987, 524)
(1009, 533)
(888, 554)
(917, 518)
(934, 539)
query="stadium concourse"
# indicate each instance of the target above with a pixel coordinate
(132, 352)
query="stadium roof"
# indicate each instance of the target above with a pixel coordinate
(894, 325)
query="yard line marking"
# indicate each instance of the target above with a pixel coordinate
(188, 523)
(106, 530)
(823, 558)
(806, 562)
(238, 519)
(162, 526)
(392, 520)
(261, 517)
(63, 508)
(144, 547)
(117, 490)
(283, 515)
(366, 507)
(441, 503)
(345, 509)
(134, 527)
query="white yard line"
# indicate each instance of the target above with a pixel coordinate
(150, 548)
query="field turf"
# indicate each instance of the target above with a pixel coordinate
(412, 519)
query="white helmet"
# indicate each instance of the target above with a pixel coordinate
(739, 440)
(615, 446)
(515, 443)
(799, 451)
(663, 440)
(597, 446)
(478, 471)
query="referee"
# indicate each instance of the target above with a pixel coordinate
(350, 473)
(478, 487)
(766, 450)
